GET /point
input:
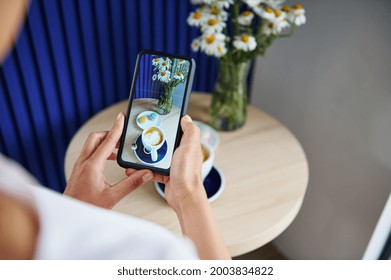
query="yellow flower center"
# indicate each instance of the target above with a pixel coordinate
(163, 73)
(286, 8)
(210, 39)
(164, 63)
(277, 13)
(246, 13)
(297, 7)
(212, 21)
(219, 49)
(179, 74)
(156, 59)
(269, 10)
(197, 15)
(270, 24)
(214, 11)
(245, 38)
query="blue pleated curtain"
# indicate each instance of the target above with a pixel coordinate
(74, 58)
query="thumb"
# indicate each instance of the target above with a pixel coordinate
(129, 184)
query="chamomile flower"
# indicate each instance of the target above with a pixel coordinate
(213, 25)
(224, 4)
(245, 42)
(280, 21)
(296, 15)
(213, 44)
(218, 12)
(154, 77)
(253, 3)
(164, 76)
(245, 18)
(156, 61)
(179, 76)
(196, 18)
(195, 45)
(276, 25)
(165, 64)
(268, 28)
(265, 13)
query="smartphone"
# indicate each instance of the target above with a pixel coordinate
(158, 99)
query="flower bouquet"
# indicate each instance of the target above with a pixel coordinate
(236, 31)
(170, 74)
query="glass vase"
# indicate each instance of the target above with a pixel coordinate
(164, 104)
(228, 110)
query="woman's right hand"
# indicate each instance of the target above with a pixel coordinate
(184, 185)
(186, 195)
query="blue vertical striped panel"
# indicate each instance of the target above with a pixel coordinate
(74, 58)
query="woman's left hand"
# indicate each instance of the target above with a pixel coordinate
(87, 181)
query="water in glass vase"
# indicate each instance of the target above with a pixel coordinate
(164, 105)
(228, 110)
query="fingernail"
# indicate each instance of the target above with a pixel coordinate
(119, 116)
(148, 176)
(187, 117)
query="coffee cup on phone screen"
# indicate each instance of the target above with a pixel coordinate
(153, 139)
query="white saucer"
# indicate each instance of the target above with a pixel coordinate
(149, 123)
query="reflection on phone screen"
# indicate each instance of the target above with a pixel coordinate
(157, 99)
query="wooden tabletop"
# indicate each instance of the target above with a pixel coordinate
(265, 169)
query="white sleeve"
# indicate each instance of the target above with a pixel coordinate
(70, 229)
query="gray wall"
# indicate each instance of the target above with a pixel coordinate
(330, 84)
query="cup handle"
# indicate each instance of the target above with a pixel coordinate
(154, 154)
(147, 150)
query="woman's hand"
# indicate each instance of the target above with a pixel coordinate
(184, 185)
(186, 195)
(87, 181)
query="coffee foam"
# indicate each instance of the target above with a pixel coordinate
(153, 137)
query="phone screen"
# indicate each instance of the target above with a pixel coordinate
(158, 94)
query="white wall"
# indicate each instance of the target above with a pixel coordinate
(331, 85)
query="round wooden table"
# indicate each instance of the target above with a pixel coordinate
(265, 169)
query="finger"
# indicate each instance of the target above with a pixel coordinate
(113, 156)
(92, 142)
(129, 184)
(191, 132)
(108, 144)
(160, 178)
(130, 171)
(156, 177)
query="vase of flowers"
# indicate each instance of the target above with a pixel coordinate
(170, 75)
(235, 32)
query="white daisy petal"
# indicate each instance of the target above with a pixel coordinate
(245, 42)
(245, 18)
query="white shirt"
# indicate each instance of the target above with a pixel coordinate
(71, 229)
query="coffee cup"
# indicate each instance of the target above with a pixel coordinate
(208, 158)
(153, 139)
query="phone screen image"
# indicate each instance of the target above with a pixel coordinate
(158, 93)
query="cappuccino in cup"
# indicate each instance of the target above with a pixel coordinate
(153, 136)
(153, 139)
(207, 159)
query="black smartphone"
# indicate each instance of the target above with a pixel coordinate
(158, 99)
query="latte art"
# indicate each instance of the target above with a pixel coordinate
(153, 137)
